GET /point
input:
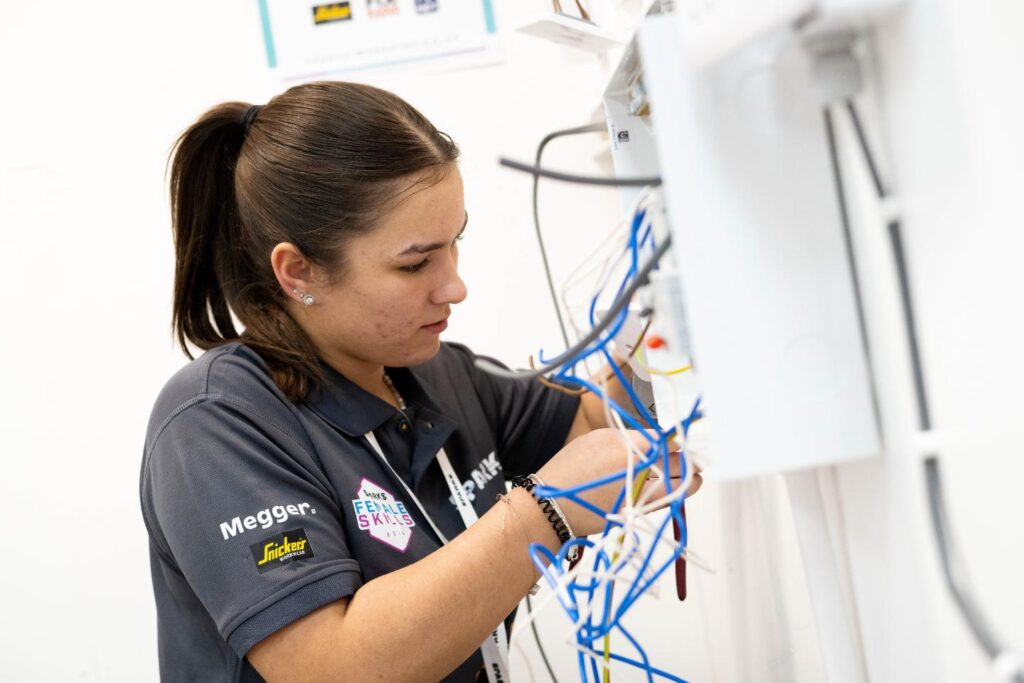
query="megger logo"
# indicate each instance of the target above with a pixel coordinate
(273, 552)
(264, 519)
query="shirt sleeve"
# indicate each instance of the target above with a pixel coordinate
(530, 421)
(239, 506)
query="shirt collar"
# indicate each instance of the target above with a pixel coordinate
(348, 407)
(356, 411)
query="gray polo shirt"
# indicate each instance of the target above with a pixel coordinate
(261, 510)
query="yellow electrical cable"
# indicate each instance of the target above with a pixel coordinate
(637, 485)
(665, 373)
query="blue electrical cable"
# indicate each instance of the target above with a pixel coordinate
(601, 342)
(599, 623)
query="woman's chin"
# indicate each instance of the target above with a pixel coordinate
(423, 352)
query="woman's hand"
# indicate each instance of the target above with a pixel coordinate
(592, 456)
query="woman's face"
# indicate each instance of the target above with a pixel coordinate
(400, 280)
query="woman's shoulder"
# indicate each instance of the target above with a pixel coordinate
(228, 369)
(231, 373)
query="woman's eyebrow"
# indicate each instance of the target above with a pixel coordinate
(425, 248)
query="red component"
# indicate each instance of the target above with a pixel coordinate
(656, 342)
(680, 561)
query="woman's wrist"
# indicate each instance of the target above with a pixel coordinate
(551, 509)
(536, 525)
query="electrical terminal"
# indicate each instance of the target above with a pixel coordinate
(667, 293)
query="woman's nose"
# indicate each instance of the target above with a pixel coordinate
(452, 291)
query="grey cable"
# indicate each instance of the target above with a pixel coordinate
(536, 637)
(580, 179)
(953, 568)
(851, 259)
(591, 128)
(917, 367)
(869, 158)
(902, 273)
(617, 307)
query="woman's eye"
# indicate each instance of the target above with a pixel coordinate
(416, 267)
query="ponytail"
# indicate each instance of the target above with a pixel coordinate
(203, 215)
(209, 276)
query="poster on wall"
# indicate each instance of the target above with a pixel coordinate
(312, 38)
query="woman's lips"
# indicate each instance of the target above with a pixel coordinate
(438, 327)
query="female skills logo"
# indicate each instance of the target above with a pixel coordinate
(385, 518)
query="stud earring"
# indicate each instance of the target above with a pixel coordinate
(307, 299)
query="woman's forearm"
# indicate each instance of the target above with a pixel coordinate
(418, 623)
(591, 413)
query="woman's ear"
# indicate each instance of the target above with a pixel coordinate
(293, 271)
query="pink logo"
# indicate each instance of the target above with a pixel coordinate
(385, 518)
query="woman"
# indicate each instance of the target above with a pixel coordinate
(308, 483)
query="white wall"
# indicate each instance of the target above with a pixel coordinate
(952, 105)
(94, 95)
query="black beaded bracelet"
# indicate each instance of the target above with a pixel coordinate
(550, 509)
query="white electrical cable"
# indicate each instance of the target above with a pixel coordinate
(621, 231)
(616, 238)
(636, 536)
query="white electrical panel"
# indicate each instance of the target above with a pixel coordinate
(760, 262)
(758, 294)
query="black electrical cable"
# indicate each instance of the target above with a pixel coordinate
(953, 568)
(591, 128)
(616, 308)
(580, 179)
(536, 637)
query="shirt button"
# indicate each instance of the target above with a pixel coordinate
(403, 426)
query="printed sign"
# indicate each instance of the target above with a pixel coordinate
(319, 38)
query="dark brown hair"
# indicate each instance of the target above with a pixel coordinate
(317, 166)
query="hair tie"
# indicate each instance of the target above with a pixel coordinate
(249, 117)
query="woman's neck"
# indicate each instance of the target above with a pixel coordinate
(367, 376)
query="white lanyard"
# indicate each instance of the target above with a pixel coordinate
(495, 646)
